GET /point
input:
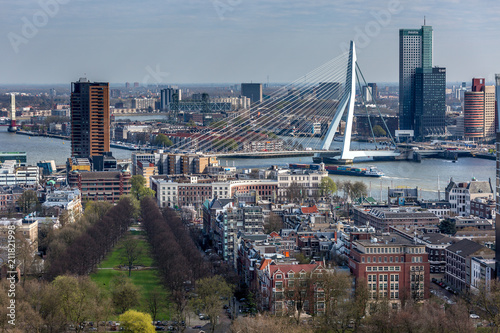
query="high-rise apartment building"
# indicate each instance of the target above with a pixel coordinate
(421, 102)
(479, 111)
(89, 118)
(252, 91)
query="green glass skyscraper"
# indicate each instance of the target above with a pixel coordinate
(415, 51)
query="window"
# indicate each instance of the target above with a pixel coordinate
(279, 276)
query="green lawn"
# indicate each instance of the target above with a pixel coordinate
(147, 279)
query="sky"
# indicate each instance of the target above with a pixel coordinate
(233, 41)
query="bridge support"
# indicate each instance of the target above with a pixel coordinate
(346, 104)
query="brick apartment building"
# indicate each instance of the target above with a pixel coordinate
(392, 266)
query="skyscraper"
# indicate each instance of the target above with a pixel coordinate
(89, 118)
(430, 102)
(479, 111)
(252, 91)
(415, 51)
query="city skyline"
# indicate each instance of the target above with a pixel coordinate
(233, 41)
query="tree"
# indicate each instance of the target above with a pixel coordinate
(379, 131)
(28, 202)
(448, 226)
(138, 189)
(124, 293)
(211, 293)
(155, 302)
(136, 322)
(131, 253)
(78, 298)
(327, 186)
(359, 190)
(191, 123)
(163, 140)
(275, 223)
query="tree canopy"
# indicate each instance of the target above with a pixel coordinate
(136, 322)
(163, 140)
(327, 186)
(379, 131)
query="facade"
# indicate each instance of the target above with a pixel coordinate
(90, 122)
(393, 267)
(460, 195)
(382, 218)
(482, 272)
(143, 103)
(69, 200)
(458, 262)
(147, 170)
(194, 190)
(11, 174)
(252, 91)
(415, 51)
(479, 111)
(9, 196)
(102, 185)
(278, 283)
(28, 229)
(225, 220)
(307, 182)
(430, 102)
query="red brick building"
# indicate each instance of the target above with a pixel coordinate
(392, 266)
(101, 185)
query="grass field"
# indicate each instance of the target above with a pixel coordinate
(146, 279)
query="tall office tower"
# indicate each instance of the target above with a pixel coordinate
(479, 111)
(252, 91)
(169, 95)
(429, 102)
(12, 115)
(329, 90)
(89, 118)
(415, 51)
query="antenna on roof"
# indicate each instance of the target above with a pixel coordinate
(424, 19)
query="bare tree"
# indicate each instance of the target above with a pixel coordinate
(131, 254)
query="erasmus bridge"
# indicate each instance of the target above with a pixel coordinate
(326, 95)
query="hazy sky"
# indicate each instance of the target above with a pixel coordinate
(204, 41)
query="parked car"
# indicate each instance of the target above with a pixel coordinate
(474, 316)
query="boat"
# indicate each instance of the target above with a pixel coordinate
(351, 171)
(371, 171)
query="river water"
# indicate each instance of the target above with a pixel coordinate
(429, 175)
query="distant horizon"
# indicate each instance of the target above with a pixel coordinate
(228, 41)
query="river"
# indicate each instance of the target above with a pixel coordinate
(426, 175)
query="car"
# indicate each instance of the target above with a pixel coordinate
(197, 326)
(474, 316)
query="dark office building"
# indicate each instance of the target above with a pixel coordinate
(430, 102)
(252, 91)
(329, 90)
(415, 51)
(89, 118)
